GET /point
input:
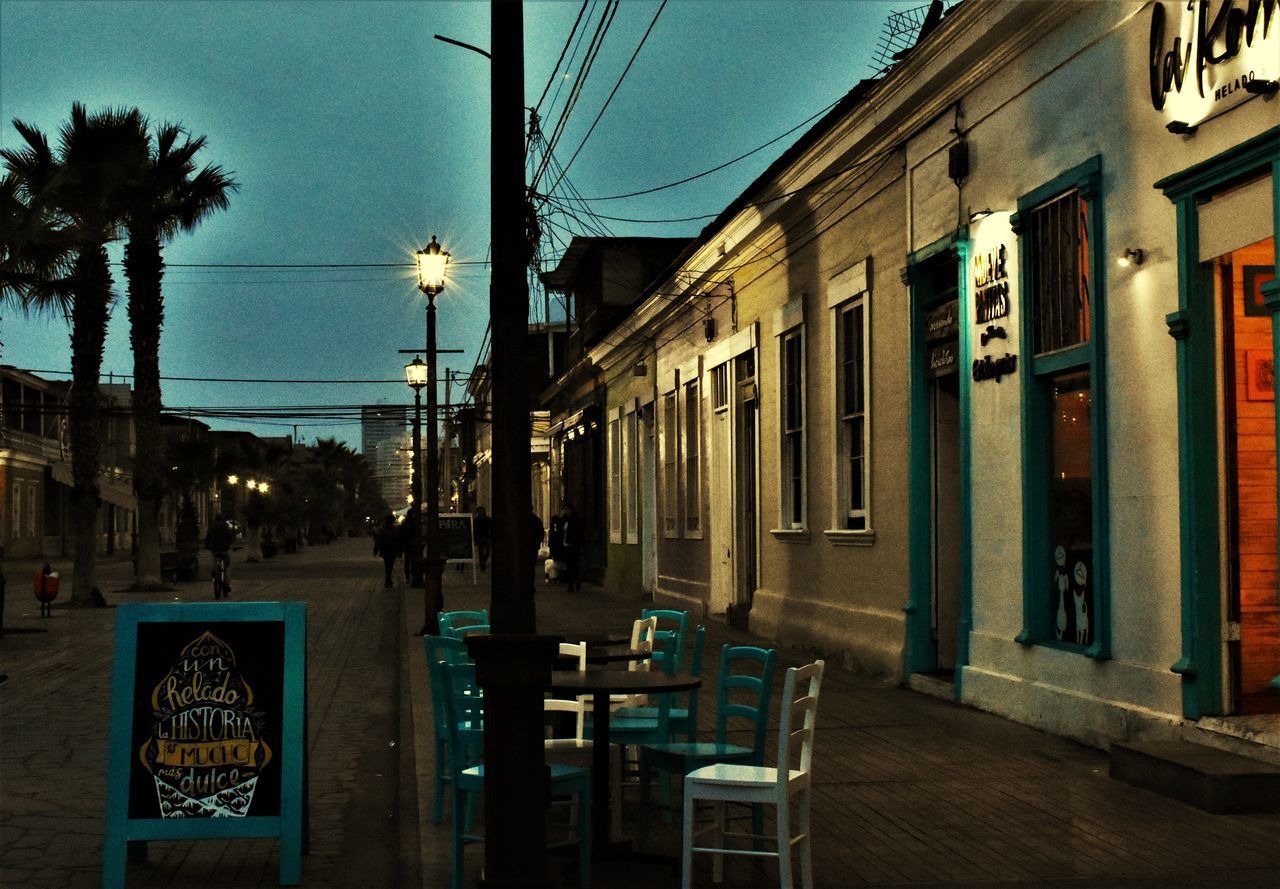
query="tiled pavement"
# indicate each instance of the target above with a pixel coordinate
(910, 790)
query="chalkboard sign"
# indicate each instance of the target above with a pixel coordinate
(207, 727)
(457, 543)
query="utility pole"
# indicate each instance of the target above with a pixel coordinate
(513, 665)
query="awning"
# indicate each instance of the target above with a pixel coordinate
(117, 492)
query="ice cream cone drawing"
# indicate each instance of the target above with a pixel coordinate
(206, 749)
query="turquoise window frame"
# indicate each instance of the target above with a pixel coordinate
(1194, 330)
(1086, 179)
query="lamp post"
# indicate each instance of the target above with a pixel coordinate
(432, 264)
(415, 374)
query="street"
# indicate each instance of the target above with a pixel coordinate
(910, 790)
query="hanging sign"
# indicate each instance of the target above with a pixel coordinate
(941, 333)
(991, 285)
(1208, 57)
(207, 727)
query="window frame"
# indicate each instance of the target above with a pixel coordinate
(669, 441)
(615, 477)
(792, 437)
(841, 510)
(1040, 371)
(691, 456)
(631, 476)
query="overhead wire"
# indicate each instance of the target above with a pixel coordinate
(564, 49)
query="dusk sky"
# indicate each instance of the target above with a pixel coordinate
(355, 136)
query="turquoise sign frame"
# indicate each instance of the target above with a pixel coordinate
(126, 836)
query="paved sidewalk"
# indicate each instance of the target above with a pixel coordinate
(915, 791)
(54, 713)
(910, 790)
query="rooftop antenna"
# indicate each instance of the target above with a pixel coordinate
(903, 30)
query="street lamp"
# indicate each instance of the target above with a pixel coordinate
(433, 264)
(415, 374)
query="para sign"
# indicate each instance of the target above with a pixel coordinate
(207, 728)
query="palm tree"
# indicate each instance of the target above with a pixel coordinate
(192, 463)
(35, 253)
(80, 189)
(167, 196)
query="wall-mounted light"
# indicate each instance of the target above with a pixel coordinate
(1131, 256)
(639, 369)
(1180, 128)
(1260, 87)
(980, 214)
(709, 328)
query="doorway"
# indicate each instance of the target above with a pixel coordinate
(944, 521)
(747, 471)
(648, 502)
(1248, 446)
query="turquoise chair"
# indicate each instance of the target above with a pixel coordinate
(464, 712)
(441, 651)
(451, 620)
(682, 720)
(745, 687)
(669, 621)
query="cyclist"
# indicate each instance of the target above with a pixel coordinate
(219, 540)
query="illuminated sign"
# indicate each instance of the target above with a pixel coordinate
(1217, 57)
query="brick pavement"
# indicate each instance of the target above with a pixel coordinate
(909, 789)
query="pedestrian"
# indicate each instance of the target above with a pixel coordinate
(484, 537)
(555, 549)
(535, 535)
(218, 539)
(406, 544)
(571, 543)
(386, 543)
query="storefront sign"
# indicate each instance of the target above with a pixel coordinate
(942, 323)
(456, 540)
(1213, 58)
(991, 285)
(988, 368)
(207, 727)
(941, 360)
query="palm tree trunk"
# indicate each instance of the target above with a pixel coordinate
(144, 267)
(89, 313)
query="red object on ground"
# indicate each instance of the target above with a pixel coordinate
(46, 586)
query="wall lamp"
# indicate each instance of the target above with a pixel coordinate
(1131, 256)
(980, 214)
(1180, 128)
(1260, 87)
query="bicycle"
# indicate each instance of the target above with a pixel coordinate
(221, 589)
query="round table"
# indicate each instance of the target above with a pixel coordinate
(599, 684)
(596, 638)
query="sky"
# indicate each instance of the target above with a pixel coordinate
(355, 136)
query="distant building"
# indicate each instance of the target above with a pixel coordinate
(385, 443)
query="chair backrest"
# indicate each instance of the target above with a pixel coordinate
(461, 633)
(669, 621)
(464, 715)
(796, 722)
(748, 670)
(695, 667)
(450, 620)
(578, 706)
(642, 631)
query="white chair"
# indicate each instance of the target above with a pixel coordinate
(577, 707)
(642, 631)
(780, 786)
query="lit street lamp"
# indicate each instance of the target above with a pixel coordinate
(433, 263)
(415, 374)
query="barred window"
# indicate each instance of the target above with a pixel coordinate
(692, 458)
(1059, 242)
(793, 507)
(852, 399)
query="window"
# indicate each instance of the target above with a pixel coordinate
(692, 460)
(720, 387)
(615, 481)
(670, 468)
(853, 468)
(1064, 484)
(631, 469)
(792, 474)
(31, 509)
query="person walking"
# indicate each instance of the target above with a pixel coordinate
(484, 537)
(219, 539)
(386, 543)
(571, 544)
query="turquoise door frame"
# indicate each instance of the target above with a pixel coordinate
(921, 654)
(1193, 328)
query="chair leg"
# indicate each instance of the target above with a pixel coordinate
(806, 846)
(686, 854)
(437, 808)
(461, 809)
(717, 858)
(583, 803)
(784, 845)
(615, 794)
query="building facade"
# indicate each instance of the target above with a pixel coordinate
(974, 386)
(386, 443)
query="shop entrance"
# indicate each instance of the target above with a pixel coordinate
(1248, 446)
(944, 467)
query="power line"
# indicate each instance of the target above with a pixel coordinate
(306, 265)
(565, 49)
(621, 78)
(110, 375)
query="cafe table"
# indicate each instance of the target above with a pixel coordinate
(599, 684)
